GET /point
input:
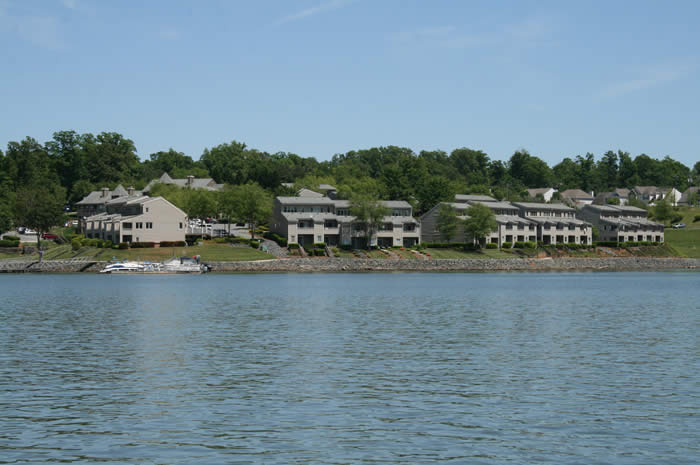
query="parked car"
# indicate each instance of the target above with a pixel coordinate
(28, 231)
(49, 235)
(21, 229)
(679, 226)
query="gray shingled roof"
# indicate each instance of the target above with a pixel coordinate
(543, 206)
(305, 200)
(576, 194)
(538, 190)
(474, 197)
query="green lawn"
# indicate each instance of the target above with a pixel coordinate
(210, 252)
(685, 241)
(459, 253)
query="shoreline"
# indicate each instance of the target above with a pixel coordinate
(345, 265)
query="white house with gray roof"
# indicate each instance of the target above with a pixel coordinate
(622, 223)
(137, 219)
(556, 223)
(306, 220)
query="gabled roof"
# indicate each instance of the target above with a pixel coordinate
(576, 194)
(304, 192)
(539, 190)
(286, 200)
(688, 191)
(495, 205)
(326, 187)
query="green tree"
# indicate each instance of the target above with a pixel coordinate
(40, 207)
(530, 170)
(480, 222)
(252, 204)
(447, 222)
(613, 201)
(370, 212)
(693, 199)
(200, 203)
(662, 211)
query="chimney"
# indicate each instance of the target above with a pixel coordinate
(130, 190)
(105, 192)
(190, 180)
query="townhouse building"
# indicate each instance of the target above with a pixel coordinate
(556, 223)
(651, 194)
(96, 201)
(546, 192)
(137, 219)
(622, 223)
(511, 227)
(306, 220)
(576, 197)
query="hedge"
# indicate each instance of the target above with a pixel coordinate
(320, 245)
(491, 245)
(281, 241)
(293, 246)
(10, 238)
(697, 218)
(319, 252)
(443, 245)
(506, 245)
(605, 244)
(525, 245)
(8, 243)
(142, 245)
(176, 243)
(254, 243)
(123, 245)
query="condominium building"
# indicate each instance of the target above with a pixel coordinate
(140, 219)
(622, 223)
(305, 220)
(96, 201)
(511, 227)
(556, 223)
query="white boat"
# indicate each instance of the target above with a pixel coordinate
(174, 265)
(124, 267)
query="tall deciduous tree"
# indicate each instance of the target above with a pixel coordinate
(447, 222)
(480, 222)
(252, 204)
(369, 211)
(40, 207)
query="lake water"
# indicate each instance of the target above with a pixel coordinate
(570, 368)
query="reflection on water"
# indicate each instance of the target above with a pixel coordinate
(350, 368)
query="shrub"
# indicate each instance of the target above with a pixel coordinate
(217, 240)
(293, 246)
(697, 218)
(443, 245)
(605, 244)
(506, 245)
(346, 247)
(178, 243)
(9, 243)
(677, 218)
(491, 245)
(123, 245)
(281, 241)
(319, 252)
(142, 245)
(335, 250)
(320, 245)
(76, 243)
(8, 237)
(254, 243)
(240, 240)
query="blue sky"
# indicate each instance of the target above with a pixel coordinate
(319, 77)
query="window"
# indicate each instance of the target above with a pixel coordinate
(180, 225)
(124, 225)
(146, 209)
(319, 239)
(139, 225)
(149, 225)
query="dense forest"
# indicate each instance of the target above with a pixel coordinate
(71, 164)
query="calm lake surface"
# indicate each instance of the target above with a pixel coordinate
(569, 368)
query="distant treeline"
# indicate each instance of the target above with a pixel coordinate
(80, 163)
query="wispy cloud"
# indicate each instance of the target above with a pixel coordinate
(70, 4)
(647, 79)
(323, 7)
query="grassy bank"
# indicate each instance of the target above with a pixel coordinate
(208, 252)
